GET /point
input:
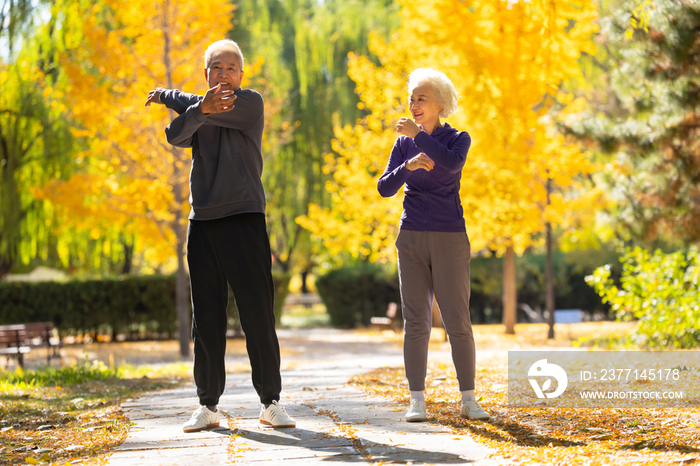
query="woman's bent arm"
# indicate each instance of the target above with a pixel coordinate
(395, 174)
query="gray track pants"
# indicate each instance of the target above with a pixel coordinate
(433, 263)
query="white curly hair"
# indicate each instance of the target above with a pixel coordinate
(444, 90)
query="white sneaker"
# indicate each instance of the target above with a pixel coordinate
(275, 416)
(416, 411)
(201, 419)
(472, 410)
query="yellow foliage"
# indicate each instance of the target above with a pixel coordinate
(507, 60)
(133, 180)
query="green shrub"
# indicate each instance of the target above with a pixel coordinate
(353, 295)
(659, 290)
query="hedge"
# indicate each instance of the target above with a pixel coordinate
(120, 304)
(353, 295)
(126, 305)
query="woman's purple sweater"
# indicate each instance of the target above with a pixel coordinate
(431, 201)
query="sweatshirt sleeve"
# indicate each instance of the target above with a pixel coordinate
(180, 132)
(452, 159)
(248, 109)
(179, 101)
(395, 174)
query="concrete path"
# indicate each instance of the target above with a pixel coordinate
(335, 422)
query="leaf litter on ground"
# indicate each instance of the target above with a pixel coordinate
(616, 437)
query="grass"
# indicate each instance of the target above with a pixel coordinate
(72, 414)
(546, 436)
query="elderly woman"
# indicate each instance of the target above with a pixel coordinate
(433, 246)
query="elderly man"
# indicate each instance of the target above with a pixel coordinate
(227, 242)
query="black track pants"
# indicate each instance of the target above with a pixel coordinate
(233, 250)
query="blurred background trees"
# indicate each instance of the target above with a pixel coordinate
(507, 71)
(642, 115)
(305, 44)
(583, 117)
(35, 142)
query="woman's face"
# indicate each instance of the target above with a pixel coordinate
(423, 106)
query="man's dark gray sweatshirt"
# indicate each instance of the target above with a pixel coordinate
(226, 153)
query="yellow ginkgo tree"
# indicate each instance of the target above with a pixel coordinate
(507, 60)
(130, 178)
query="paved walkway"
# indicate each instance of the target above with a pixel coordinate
(335, 422)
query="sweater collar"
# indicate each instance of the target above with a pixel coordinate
(444, 128)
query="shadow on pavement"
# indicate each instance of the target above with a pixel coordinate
(340, 447)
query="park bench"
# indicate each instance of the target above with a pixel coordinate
(389, 321)
(14, 337)
(19, 339)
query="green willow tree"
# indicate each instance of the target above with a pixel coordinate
(16, 20)
(34, 137)
(36, 146)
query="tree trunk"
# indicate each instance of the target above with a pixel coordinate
(182, 298)
(549, 284)
(549, 278)
(128, 256)
(5, 266)
(182, 295)
(281, 285)
(304, 286)
(366, 310)
(510, 298)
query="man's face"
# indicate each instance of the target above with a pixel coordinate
(224, 69)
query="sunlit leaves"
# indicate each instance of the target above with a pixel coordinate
(305, 45)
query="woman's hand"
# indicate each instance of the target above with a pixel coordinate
(420, 161)
(407, 127)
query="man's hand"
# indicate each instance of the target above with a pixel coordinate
(420, 161)
(154, 96)
(217, 101)
(407, 127)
